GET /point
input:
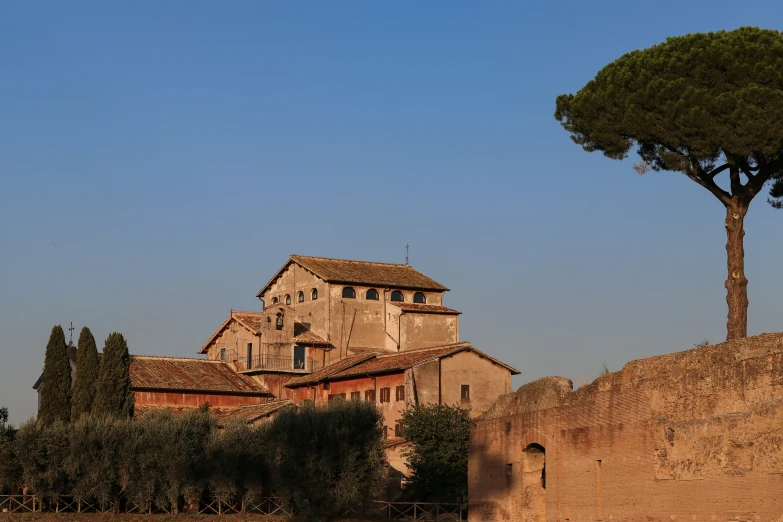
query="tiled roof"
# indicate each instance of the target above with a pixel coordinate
(143, 409)
(356, 350)
(250, 320)
(251, 412)
(408, 359)
(367, 273)
(326, 371)
(394, 441)
(303, 335)
(424, 308)
(175, 373)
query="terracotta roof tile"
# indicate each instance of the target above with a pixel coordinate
(326, 371)
(179, 373)
(367, 273)
(251, 412)
(424, 308)
(303, 335)
(250, 320)
(143, 409)
(403, 360)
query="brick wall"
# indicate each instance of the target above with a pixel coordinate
(695, 435)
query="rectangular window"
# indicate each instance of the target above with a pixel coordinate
(369, 395)
(385, 394)
(385, 432)
(465, 392)
(397, 430)
(326, 385)
(336, 396)
(355, 396)
(249, 355)
(299, 357)
(400, 393)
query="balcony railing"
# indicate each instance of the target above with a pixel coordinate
(277, 363)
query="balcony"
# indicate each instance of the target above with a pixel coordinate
(273, 363)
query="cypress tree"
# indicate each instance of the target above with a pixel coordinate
(56, 384)
(87, 368)
(113, 393)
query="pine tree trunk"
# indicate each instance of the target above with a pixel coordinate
(737, 283)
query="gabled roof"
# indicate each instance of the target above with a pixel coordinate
(377, 363)
(190, 375)
(366, 273)
(326, 371)
(250, 320)
(404, 360)
(251, 412)
(303, 335)
(422, 308)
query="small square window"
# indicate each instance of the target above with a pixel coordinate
(326, 386)
(465, 396)
(355, 396)
(369, 395)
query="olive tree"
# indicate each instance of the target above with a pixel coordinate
(706, 105)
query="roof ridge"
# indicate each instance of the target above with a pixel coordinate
(245, 312)
(352, 260)
(176, 358)
(430, 348)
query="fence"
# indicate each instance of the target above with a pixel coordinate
(373, 509)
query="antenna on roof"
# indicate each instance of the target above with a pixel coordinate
(70, 343)
(406, 253)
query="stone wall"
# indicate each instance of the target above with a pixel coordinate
(694, 435)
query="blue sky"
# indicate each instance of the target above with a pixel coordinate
(177, 152)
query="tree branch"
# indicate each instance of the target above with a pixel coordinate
(714, 172)
(706, 181)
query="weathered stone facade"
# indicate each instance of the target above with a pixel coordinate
(695, 435)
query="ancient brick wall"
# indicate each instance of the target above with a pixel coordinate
(695, 435)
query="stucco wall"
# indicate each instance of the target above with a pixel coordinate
(695, 435)
(424, 330)
(177, 399)
(315, 313)
(234, 337)
(487, 381)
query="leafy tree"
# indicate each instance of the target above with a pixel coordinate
(87, 369)
(113, 393)
(330, 457)
(96, 442)
(702, 105)
(10, 469)
(56, 384)
(42, 450)
(438, 451)
(238, 461)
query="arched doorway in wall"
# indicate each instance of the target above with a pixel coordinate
(534, 482)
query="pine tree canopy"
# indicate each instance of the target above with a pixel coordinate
(697, 104)
(56, 383)
(87, 369)
(113, 393)
(700, 104)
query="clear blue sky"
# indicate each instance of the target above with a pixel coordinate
(177, 152)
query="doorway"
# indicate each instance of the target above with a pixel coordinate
(534, 482)
(299, 357)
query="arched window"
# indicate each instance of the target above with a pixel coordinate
(372, 294)
(397, 296)
(300, 297)
(419, 297)
(288, 299)
(268, 322)
(314, 294)
(349, 292)
(274, 300)
(279, 321)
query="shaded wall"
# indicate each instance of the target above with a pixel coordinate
(695, 435)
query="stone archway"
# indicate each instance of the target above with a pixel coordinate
(534, 482)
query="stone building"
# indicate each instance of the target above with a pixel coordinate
(695, 435)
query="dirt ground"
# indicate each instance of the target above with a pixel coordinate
(106, 517)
